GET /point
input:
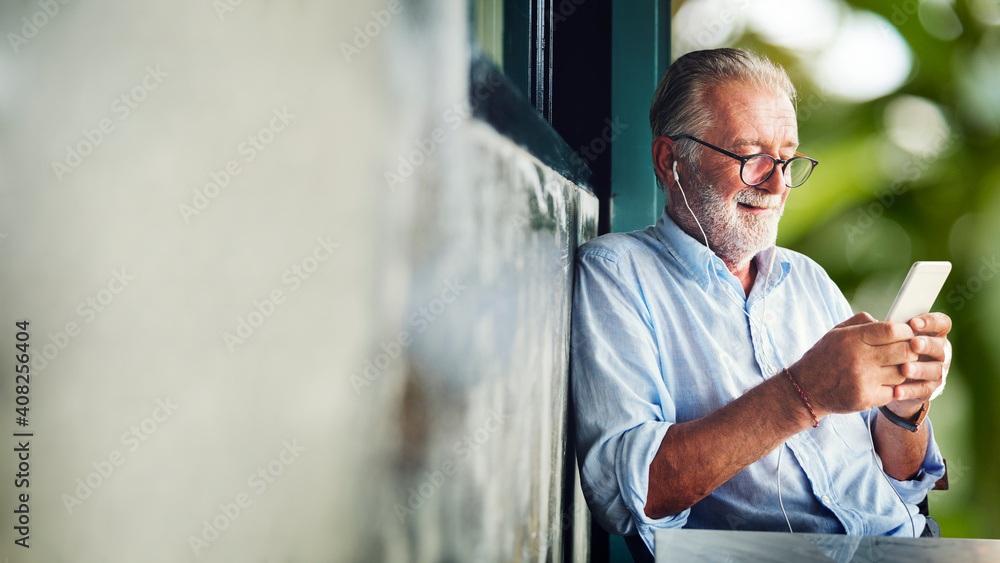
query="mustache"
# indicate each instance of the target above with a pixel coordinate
(755, 198)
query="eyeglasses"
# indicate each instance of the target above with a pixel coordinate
(755, 169)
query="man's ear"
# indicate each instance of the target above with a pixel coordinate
(664, 158)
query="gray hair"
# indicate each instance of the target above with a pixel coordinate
(678, 106)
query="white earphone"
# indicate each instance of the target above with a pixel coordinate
(677, 178)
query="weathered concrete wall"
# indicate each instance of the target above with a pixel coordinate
(248, 343)
(482, 391)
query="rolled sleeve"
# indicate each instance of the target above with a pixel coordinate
(634, 458)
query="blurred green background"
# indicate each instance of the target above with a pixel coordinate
(900, 103)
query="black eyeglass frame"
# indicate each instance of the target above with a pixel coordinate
(744, 159)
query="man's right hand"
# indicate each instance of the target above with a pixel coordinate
(855, 366)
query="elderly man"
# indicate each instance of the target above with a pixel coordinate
(722, 382)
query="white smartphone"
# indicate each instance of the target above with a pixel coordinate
(919, 290)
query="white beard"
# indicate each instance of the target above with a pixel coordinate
(733, 234)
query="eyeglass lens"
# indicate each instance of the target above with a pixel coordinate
(758, 168)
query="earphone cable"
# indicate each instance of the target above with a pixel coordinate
(767, 278)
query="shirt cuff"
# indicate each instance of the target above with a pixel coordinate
(636, 451)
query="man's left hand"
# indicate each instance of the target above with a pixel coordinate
(926, 375)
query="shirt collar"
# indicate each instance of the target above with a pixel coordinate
(698, 260)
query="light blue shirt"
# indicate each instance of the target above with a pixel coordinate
(661, 335)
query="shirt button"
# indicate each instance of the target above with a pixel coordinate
(825, 499)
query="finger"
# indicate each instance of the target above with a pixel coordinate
(944, 377)
(894, 354)
(858, 319)
(936, 348)
(884, 395)
(924, 371)
(916, 389)
(879, 334)
(932, 323)
(889, 376)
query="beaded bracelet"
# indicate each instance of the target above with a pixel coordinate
(804, 398)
